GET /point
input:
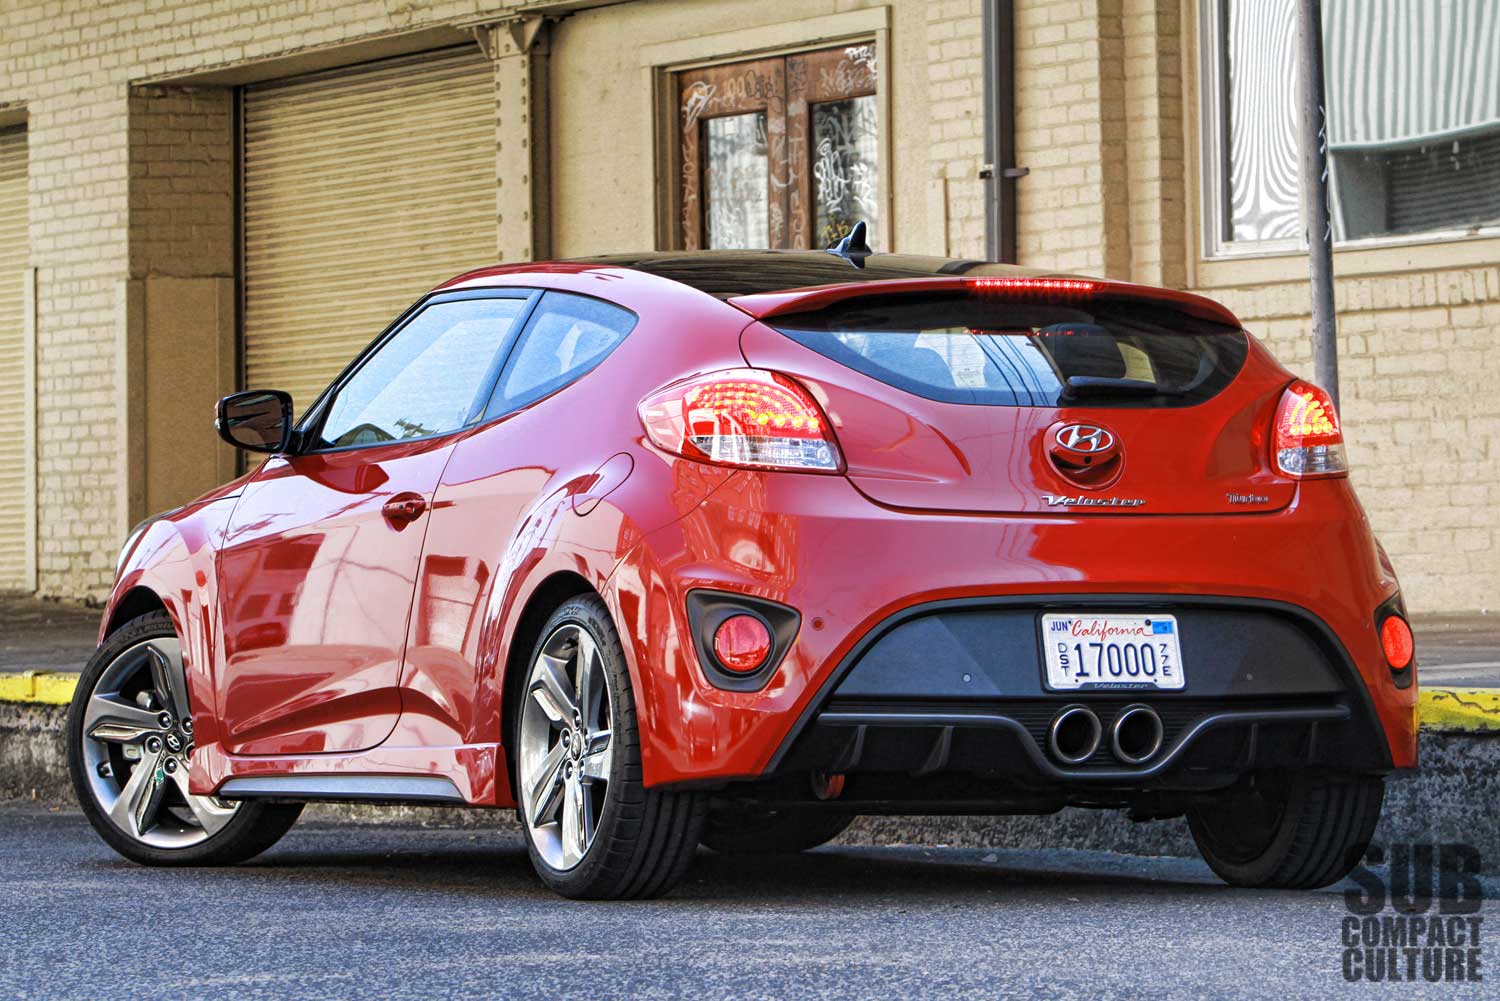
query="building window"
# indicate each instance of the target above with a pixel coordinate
(780, 152)
(1413, 92)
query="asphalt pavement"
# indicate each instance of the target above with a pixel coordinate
(344, 911)
(1458, 651)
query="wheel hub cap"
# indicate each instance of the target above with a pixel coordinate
(566, 750)
(137, 747)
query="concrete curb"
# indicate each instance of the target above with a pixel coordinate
(1460, 709)
(1446, 710)
(45, 688)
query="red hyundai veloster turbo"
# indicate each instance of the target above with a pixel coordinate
(728, 548)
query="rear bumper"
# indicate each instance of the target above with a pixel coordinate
(862, 577)
(956, 687)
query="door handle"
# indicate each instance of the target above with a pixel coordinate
(404, 508)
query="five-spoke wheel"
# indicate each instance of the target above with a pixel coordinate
(566, 748)
(593, 828)
(131, 742)
(137, 744)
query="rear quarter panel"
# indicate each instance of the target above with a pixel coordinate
(564, 485)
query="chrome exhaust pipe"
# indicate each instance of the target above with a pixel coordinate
(1136, 735)
(1074, 735)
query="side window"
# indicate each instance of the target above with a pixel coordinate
(568, 336)
(427, 378)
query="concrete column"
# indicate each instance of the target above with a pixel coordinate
(523, 169)
(177, 305)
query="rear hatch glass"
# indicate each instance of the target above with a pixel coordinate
(965, 350)
(957, 402)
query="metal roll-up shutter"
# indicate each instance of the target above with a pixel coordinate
(363, 189)
(15, 408)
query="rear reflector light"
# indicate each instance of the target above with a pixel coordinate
(1396, 640)
(1035, 288)
(742, 643)
(1306, 439)
(742, 417)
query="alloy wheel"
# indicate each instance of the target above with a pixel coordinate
(566, 746)
(137, 741)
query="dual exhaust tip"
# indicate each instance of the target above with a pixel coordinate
(1134, 737)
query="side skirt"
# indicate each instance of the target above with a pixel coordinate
(379, 788)
(462, 774)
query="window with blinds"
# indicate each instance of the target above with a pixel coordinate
(15, 408)
(1413, 98)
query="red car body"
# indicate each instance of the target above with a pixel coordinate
(322, 637)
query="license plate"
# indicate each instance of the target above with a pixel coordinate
(1112, 651)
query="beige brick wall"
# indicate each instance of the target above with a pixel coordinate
(132, 203)
(101, 161)
(181, 209)
(1419, 360)
(955, 86)
(1104, 122)
(1156, 164)
(1073, 209)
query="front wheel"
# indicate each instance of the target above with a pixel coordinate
(592, 828)
(130, 738)
(1297, 831)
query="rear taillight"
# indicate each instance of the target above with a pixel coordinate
(742, 417)
(1306, 439)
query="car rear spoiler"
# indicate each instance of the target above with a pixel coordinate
(1030, 288)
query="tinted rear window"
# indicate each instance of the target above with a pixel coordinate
(965, 350)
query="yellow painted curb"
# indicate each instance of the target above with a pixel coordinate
(38, 688)
(1466, 709)
(1462, 709)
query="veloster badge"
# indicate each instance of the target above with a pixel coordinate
(1082, 500)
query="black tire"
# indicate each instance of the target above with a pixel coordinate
(254, 828)
(748, 831)
(645, 839)
(1297, 831)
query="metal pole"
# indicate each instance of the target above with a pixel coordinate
(1000, 173)
(1315, 197)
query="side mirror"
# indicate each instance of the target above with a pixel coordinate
(258, 420)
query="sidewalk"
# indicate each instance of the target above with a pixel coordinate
(45, 635)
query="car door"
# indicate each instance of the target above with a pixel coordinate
(496, 477)
(320, 559)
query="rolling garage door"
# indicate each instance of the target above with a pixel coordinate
(363, 188)
(15, 408)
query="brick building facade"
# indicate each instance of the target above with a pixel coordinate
(135, 303)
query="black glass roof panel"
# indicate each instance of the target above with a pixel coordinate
(729, 273)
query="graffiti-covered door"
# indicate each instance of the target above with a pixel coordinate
(781, 152)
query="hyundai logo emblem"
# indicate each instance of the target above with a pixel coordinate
(1086, 438)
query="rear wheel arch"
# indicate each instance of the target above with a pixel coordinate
(546, 598)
